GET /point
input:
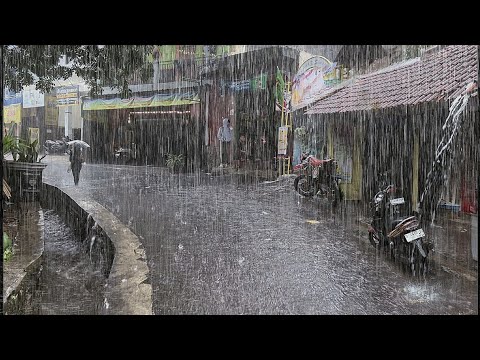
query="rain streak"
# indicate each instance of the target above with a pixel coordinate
(240, 179)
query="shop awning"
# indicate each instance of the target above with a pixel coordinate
(142, 102)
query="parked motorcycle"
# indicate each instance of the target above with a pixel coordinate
(398, 235)
(318, 177)
(123, 155)
(55, 146)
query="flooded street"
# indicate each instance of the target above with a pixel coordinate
(216, 246)
(67, 286)
(241, 179)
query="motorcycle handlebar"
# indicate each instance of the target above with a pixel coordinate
(389, 188)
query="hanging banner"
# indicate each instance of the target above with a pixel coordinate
(139, 102)
(51, 110)
(32, 98)
(239, 85)
(258, 82)
(12, 114)
(313, 76)
(67, 95)
(283, 96)
(282, 140)
(11, 98)
(279, 90)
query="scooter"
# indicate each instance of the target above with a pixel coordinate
(398, 235)
(55, 146)
(318, 177)
(123, 156)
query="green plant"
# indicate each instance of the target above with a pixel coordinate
(7, 247)
(174, 161)
(7, 254)
(9, 144)
(21, 66)
(22, 150)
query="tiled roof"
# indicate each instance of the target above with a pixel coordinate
(435, 76)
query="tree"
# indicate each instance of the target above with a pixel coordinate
(110, 65)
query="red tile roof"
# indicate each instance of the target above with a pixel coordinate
(434, 76)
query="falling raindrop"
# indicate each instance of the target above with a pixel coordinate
(214, 154)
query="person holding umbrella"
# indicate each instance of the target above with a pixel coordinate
(77, 158)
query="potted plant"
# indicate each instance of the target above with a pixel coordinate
(7, 247)
(174, 162)
(24, 172)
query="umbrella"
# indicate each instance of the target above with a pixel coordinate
(79, 142)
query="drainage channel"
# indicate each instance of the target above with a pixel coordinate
(70, 283)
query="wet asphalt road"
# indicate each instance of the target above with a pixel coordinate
(217, 246)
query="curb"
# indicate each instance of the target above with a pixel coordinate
(128, 291)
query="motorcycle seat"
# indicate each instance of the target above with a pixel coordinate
(399, 220)
(318, 162)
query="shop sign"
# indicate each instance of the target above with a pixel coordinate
(314, 75)
(12, 114)
(32, 98)
(282, 140)
(67, 95)
(51, 110)
(11, 98)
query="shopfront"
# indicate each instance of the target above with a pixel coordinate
(151, 127)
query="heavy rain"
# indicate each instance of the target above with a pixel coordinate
(240, 179)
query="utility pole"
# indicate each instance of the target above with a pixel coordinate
(67, 111)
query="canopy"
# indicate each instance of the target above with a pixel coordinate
(140, 102)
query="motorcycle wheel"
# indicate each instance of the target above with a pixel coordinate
(338, 194)
(423, 261)
(303, 187)
(331, 193)
(375, 240)
(418, 264)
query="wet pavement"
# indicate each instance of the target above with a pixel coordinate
(218, 245)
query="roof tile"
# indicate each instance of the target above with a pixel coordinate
(428, 79)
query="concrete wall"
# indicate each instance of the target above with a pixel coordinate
(128, 289)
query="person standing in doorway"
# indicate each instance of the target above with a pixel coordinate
(224, 135)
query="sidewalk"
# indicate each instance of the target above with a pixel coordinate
(452, 235)
(246, 172)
